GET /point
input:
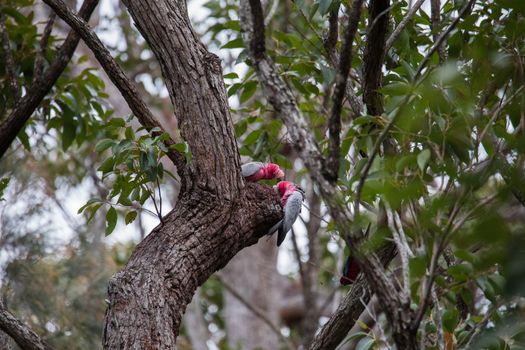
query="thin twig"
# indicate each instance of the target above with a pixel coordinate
(41, 51)
(439, 326)
(497, 112)
(256, 311)
(403, 254)
(345, 61)
(442, 38)
(10, 66)
(478, 327)
(160, 201)
(373, 154)
(401, 26)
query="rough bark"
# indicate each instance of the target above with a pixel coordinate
(148, 298)
(374, 55)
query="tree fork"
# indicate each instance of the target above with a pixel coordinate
(149, 296)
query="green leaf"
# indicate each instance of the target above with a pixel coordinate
(92, 211)
(365, 344)
(111, 220)
(324, 6)
(103, 145)
(24, 139)
(450, 320)
(130, 217)
(417, 266)
(233, 44)
(107, 165)
(423, 158)
(252, 137)
(248, 91)
(231, 76)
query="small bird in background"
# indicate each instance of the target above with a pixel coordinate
(292, 197)
(350, 271)
(255, 171)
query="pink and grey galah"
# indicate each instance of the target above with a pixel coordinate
(292, 197)
(255, 171)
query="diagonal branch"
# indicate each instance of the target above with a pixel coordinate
(345, 61)
(41, 51)
(117, 76)
(36, 92)
(466, 8)
(9, 61)
(21, 334)
(402, 25)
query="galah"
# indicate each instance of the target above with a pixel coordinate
(255, 171)
(292, 198)
(350, 271)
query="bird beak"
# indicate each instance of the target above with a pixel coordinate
(280, 174)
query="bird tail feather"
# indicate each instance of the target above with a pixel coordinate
(275, 227)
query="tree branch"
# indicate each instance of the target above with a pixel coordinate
(21, 334)
(442, 37)
(374, 55)
(435, 9)
(36, 92)
(9, 61)
(117, 76)
(335, 330)
(345, 61)
(41, 51)
(401, 26)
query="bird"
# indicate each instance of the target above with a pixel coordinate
(292, 197)
(255, 171)
(350, 271)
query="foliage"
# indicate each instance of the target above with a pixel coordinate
(454, 184)
(458, 130)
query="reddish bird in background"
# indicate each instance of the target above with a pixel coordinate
(255, 171)
(350, 271)
(292, 197)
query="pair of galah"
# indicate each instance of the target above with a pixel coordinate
(292, 196)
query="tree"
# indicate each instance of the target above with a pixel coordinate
(418, 154)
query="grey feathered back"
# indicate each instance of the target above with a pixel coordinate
(250, 168)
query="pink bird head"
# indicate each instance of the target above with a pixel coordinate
(274, 171)
(285, 189)
(285, 186)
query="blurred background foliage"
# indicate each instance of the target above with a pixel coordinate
(455, 177)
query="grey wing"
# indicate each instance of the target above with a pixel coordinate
(251, 168)
(291, 213)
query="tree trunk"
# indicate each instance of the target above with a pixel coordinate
(217, 214)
